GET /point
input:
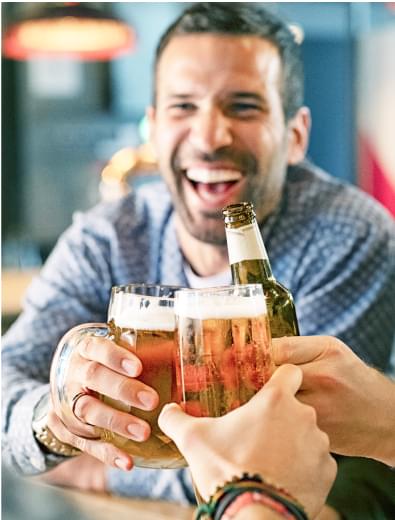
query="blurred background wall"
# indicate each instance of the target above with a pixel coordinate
(62, 119)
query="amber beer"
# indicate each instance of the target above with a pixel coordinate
(145, 325)
(224, 346)
(249, 263)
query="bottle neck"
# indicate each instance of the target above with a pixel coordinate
(245, 243)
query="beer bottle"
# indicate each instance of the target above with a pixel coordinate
(250, 264)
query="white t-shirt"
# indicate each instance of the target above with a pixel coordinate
(200, 282)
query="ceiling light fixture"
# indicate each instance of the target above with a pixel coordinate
(71, 30)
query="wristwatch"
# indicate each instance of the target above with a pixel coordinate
(45, 436)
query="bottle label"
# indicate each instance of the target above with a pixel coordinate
(245, 243)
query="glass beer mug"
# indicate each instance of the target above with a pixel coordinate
(141, 319)
(224, 344)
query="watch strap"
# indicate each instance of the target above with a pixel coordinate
(45, 436)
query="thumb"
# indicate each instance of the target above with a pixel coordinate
(173, 421)
(288, 377)
(299, 350)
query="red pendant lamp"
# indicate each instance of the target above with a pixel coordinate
(73, 30)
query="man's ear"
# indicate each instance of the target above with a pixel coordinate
(298, 135)
(150, 113)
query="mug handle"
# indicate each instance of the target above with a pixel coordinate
(61, 360)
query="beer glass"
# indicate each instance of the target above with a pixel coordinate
(141, 319)
(224, 345)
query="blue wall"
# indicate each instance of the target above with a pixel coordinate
(329, 94)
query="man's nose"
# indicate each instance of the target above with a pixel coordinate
(210, 130)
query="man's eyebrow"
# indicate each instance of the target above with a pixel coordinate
(178, 95)
(241, 94)
(233, 95)
(248, 95)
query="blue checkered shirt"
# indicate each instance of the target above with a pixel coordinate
(330, 244)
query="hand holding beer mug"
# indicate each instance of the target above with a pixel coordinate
(224, 347)
(111, 381)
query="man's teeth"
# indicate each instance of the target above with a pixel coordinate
(212, 176)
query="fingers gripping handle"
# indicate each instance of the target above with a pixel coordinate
(62, 390)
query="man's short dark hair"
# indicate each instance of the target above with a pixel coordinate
(241, 19)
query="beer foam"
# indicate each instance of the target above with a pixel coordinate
(132, 313)
(220, 307)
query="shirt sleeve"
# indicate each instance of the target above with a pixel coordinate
(161, 484)
(73, 288)
(364, 489)
(347, 286)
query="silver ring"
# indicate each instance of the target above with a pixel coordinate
(74, 403)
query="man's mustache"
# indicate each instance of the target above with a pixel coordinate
(242, 161)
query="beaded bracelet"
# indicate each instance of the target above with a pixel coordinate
(225, 495)
(254, 497)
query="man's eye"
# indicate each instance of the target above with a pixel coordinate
(182, 107)
(244, 108)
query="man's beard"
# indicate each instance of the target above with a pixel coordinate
(210, 229)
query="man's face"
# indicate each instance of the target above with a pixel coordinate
(218, 128)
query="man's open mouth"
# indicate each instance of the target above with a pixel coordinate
(211, 183)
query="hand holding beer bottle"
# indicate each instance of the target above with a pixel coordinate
(109, 383)
(355, 403)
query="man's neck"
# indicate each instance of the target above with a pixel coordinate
(205, 259)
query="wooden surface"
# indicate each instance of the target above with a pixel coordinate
(14, 284)
(104, 507)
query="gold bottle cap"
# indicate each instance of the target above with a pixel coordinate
(241, 213)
